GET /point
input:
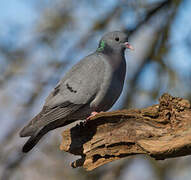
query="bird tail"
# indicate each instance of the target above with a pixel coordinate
(36, 136)
(34, 139)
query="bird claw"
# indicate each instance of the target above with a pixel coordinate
(92, 115)
(88, 118)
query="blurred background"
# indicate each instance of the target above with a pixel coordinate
(41, 40)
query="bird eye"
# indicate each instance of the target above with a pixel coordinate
(117, 38)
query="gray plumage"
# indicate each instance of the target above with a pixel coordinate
(93, 84)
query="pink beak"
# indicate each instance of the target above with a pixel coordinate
(127, 45)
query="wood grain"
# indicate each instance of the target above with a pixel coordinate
(161, 131)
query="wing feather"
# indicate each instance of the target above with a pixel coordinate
(77, 89)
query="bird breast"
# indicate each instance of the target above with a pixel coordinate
(111, 88)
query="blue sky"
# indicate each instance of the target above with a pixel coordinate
(18, 16)
(16, 12)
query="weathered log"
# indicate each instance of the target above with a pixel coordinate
(161, 131)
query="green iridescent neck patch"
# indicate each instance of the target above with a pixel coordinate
(102, 46)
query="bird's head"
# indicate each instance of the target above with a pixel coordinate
(115, 41)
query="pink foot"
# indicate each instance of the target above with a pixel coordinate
(92, 115)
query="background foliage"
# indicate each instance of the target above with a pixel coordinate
(40, 40)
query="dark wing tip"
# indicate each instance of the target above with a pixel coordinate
(32, 141)
(29, 145)
(37, 135)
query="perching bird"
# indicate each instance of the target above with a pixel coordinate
(92, 85)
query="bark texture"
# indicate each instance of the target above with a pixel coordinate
(160, 131)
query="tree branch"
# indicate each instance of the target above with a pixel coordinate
(161, 131)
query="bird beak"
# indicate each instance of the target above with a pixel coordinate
(127, 45)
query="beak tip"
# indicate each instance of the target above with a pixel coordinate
(128, 46)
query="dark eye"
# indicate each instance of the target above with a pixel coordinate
(117, 38)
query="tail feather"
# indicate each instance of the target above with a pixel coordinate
(47, 120)
(34, 139)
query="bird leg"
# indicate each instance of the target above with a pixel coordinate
(91, 115)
